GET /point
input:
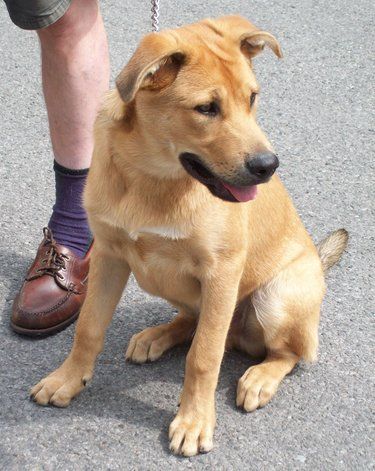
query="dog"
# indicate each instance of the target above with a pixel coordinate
(183, 193)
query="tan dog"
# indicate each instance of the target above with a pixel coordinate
(177, 147)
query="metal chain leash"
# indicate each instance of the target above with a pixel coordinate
(155, 5)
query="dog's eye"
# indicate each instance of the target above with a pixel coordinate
(210, 109)
(252, 99)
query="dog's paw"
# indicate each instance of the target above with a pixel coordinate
(59, 388)
(190, 435)
(150, 344)
(256, 388)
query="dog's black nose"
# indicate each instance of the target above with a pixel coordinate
(262, 166)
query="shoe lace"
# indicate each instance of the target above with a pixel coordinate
(55, 261)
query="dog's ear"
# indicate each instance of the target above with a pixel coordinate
(253, 43)
(251, 40)
(154, 65)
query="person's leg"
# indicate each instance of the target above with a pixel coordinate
(75, 73)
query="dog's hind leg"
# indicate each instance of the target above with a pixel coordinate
(287, 308)
(246, 333)
(151, 343)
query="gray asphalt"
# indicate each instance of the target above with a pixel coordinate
(316, 107)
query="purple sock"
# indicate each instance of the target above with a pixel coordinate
(68, 222)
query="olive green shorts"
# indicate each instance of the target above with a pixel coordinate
(36, 14)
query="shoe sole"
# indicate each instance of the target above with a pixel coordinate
(44, 332)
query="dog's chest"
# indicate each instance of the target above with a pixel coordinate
(164, 267)
(167, 232)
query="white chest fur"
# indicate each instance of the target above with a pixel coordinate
(167, 232)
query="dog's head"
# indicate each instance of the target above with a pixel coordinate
(190, 95)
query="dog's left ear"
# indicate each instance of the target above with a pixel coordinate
(153, 66)
(252, 40)
(253, 43)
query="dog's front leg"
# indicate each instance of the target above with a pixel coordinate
(107, 278)
(192, 429)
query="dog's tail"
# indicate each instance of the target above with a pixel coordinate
(331, 248)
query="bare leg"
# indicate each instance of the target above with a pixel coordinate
(75, 71)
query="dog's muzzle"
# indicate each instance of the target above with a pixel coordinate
(262, 166)
(258, 169)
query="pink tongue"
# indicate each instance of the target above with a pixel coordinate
(245, 193)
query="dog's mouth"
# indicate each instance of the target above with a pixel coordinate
(217, 186)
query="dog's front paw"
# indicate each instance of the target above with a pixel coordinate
(59, 388)
(191, 434)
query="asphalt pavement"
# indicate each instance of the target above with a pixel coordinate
(316, 106)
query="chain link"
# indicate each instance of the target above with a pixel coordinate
(155, 5)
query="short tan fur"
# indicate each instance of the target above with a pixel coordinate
(242, 275)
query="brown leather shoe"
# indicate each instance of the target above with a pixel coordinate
(53, 291)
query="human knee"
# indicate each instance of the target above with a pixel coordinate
(78, 20)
